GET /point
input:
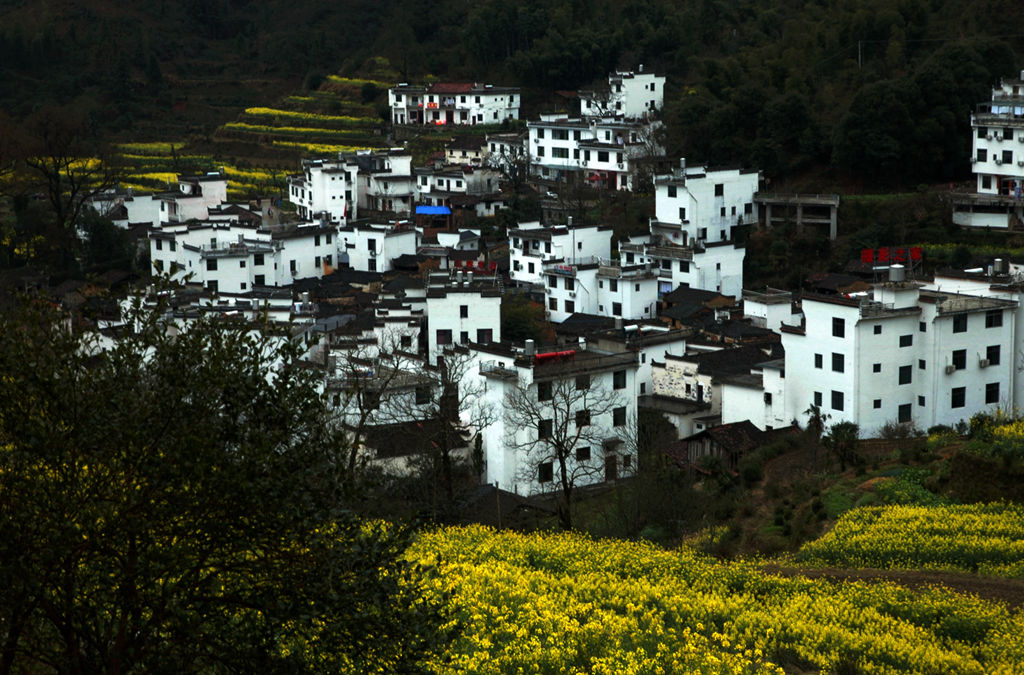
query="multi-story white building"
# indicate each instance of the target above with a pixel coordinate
(531, 244)
(461, 309)
(336, 189)
(599, 286)
(373, 247)
(997, 160)
(437, 186)
(515, 456)
(758, 396)
(193, 198)
(629, 94)
(602, 152)
(902, 355)
(451, 103)
(326, 189)
(235, 258)
(700, 205)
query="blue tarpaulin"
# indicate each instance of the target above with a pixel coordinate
(433, 210)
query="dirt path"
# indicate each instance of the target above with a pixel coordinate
(1010, 591)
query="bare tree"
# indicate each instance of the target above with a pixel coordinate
(512, 159)
(448, 405)
(561, 428)
(61, 161)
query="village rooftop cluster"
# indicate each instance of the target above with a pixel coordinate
(391, 293)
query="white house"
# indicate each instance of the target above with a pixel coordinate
(758, 396)
(444, 185)
(699, 205)
(235, 258)
(603, 152)
(610, 452)
(601, 286)
(193, 198)
(902, 355)
(372, 247)
(531, 245)
(629, 94)
(453, 103)
(997, 160)
(461, 309)
(770, 308)
(326, 189)
(385, 182)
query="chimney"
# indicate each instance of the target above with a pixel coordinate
(896, 273)
(1000, 266)
(582, 344)
(529, 348)
(568, 220)
(469, 277)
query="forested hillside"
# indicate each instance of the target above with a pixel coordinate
(877, 92)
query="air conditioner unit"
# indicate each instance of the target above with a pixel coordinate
(584, 162)
(988, 137)
(998, 161)
(572, 294)
(1020, 138)
(974, 160)
(999, 136)
(622, 166)
(1020, 162)
(983, 363)
(950, 370)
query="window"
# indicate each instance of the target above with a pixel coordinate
(982, 131)
(960, 323)
(958, 397)
(463, 311)
(878, 329)
(159, 245)
(570, 306)
(982, 155)
(422, 394)
(719, 189)
(444, 336)
(613, 285)
(921, 364)
(544, 391)
(992, 392)
(560, 153)
(583, 454)
(464, 337)
(906, 372)
(817, 398)
(484, 336)
(876, 367)
(837, 363)
(960, 359)
(257, 259)
(817, 361)
(582, 382)
(906, 340)
(627, 461)
(767, 398)
(992, 354)
(993, 318)
(291, 266)
(838, 327)
(582, 418)
(570, 284)
(684, 265)
(619, 379)
(211, 264)
(158, 264)
(682, 214)
(405, 341)
(540, 133)
(540, 150)
(259, 280)
(616, 309)
(602, 155)
(316, 240)
(619, 416)
(903, 413)
(922, 327)
(553, 304)
(545, 472)
(1007, 156)
(316, 262)
(672, 191)
(837, 400)
(877, 403)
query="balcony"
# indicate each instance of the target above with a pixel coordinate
(579, 363)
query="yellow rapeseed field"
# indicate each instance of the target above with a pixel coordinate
(544, 603)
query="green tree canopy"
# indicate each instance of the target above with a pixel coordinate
(176, 503)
